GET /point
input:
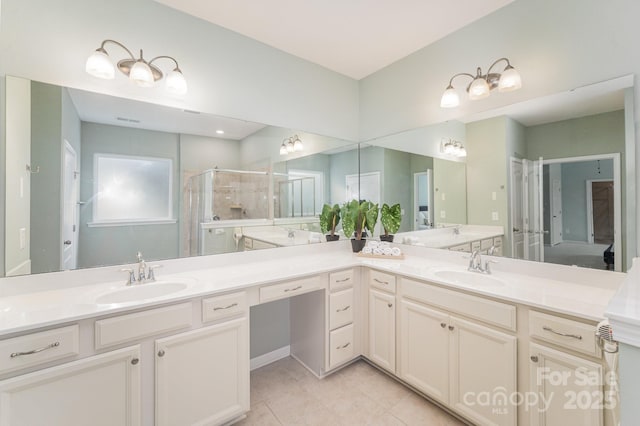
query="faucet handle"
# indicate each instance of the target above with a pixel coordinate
(487, 268)
(139, 256)
(152, 275)
(132, 275)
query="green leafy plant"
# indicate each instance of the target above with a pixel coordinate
(329, 218)
(390, 218)
(356, 217)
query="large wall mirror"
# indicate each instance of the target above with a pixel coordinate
(551, 172)
(99, 178)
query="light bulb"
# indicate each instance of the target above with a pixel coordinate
(479, 89)
(290, 147)
(450, 98)
(283, 149)
(99, 65)
(176, 82)
(141, 74)
(297, 145)
(509, 80)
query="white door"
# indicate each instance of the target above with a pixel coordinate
(424, 349)
(517, 216)
(565, 382)
(533, 221)
(556, 204)
(202, 376)
(70, 214)
(483, 360)
(422, 206)
(382, 329)
(103, 390)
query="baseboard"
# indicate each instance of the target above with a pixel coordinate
(269, 357)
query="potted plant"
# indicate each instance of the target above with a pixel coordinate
(356, 219)
(390, 218)
(329, 219)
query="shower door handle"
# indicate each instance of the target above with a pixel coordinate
(67, 242)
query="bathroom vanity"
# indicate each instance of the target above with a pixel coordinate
(176, 351)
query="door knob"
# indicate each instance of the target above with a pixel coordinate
(67, 242)
(516, 230)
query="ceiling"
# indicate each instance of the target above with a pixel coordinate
(354, 37)
(104, 109)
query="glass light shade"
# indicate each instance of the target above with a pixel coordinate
(297, 145)
(283, 149)
(99, 65)
(141, 74)
(479, 89)
(450, 98)
(290, 147)
(448, 148)
(176, 82)
(509, 80)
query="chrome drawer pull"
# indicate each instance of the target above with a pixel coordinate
(381, 282)
(293, 289)
(35, 351)
(343, 309)
(343, 280)
(575, 336)
(233, 305)
(344, 346)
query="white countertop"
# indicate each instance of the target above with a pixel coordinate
(30, 302)
(623, 310)
(447, 237)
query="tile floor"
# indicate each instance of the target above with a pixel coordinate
(285, 393)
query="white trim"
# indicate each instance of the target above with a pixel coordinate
(617, 196)
(130, 223)
(429, 174)
(511, 225)
(269, 357)
(22, 269)
(590, 230)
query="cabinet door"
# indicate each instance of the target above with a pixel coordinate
(202, 376)
(424, 349)
(483, 374)
(103, 390)
(569, 388)
(382, 329)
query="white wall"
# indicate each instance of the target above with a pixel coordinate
(228, 74)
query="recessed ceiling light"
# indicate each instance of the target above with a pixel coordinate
(220, 132)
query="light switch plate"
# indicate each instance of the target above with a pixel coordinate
(494, 216)
(23, 238)
(443, 214)
(493, 196)
(443, 196)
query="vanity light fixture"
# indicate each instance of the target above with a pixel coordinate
(452, 147)
(139, 71)
(292, 144)
(482, 84)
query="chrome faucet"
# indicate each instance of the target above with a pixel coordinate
(142, 266)
(475, 263)
(456, 230)
(291, 233)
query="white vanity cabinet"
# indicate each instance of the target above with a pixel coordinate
(101, 390)
(454, 360)
(341, 308)
(382, 320)
(572, 384)
(202, 376)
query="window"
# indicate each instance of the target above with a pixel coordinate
(132, 189)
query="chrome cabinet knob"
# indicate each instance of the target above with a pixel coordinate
(534, 358)
(135, 361)
(443, 325)
(161, 353)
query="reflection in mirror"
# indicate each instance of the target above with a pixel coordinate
(545, 179)
(102, 178)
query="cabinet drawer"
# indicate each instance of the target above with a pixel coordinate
(485, 244)
(37, 348)
(340, 280)
(386, 282)
(340, 308)
(289, 288)
(461, 247)
(497, 242)
(489, 311)
(131, 327)
(341, 345)
(475, 245)
(214, 308)
(564, 332)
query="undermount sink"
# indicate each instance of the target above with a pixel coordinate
(140, 292)
(469, 278)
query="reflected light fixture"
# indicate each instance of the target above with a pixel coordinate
(482, 84)
(452, 147)
(292, 144)
(139, 71)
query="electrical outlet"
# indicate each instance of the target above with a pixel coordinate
(401, 212)
(494, 216)
(443, 214)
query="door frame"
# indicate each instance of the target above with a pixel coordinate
(429, 174)
(617, 196)
(590, 230)
(67, 147)
(512, 188)
(555, 235)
